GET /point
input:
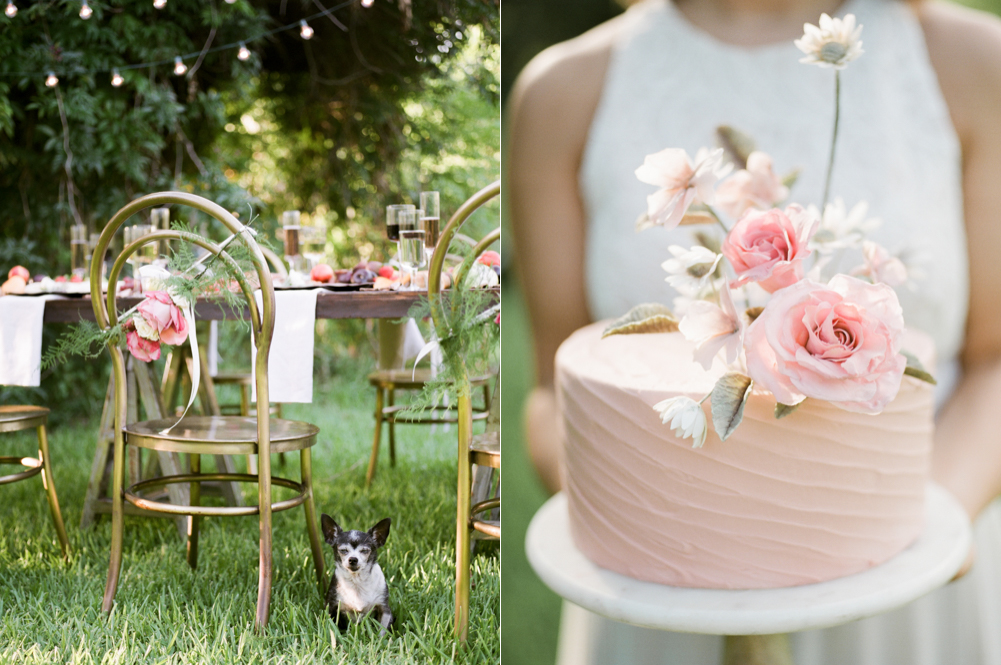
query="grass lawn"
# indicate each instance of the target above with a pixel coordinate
(167, 613)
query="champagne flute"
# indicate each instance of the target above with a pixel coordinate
(430, 206)
(160, 220)
(392, 223)
(291, 226)
(411, 244)
(78, 248)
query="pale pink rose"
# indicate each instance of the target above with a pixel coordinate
(768, 247)
(713, 327)
(839, 343)
(681, 182)
(160, 312)
(757, 186)
(175, 333)
(142, 349)
(881, 266)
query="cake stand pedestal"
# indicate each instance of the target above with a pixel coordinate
(755, 621)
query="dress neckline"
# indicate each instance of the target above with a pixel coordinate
(711, 42)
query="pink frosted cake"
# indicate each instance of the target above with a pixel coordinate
(819, 494)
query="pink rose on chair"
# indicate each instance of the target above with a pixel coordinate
(160, 312)
(839, 343)
(142, 349)
(757, 186)
(768, 247)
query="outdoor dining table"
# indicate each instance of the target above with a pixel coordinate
(386, 306)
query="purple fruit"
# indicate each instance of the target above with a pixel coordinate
(362, 277)
(38, 278)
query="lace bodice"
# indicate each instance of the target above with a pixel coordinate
(670, 85)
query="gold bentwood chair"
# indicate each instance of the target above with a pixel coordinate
(482, 450)
(206, 435)
(16, 419)
(387, 381)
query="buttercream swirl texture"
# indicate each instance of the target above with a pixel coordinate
(820, 494)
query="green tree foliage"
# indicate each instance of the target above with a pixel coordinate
(349, 117)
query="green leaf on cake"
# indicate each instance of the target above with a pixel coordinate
(708, 241)
(753, 313)
(783, 410)
(916, 369)
(648, 318)
(728, 398)
(737, 145)
(789, 179)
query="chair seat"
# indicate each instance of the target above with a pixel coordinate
(484, 449)
(15, 418)
(233, 378)
(220, 435)
(411, 380)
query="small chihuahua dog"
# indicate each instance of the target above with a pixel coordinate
(358, 586)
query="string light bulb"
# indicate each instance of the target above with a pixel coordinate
(179, 66)
(305, 31)
(367, 3)
(85, 11)
(243, 53)
(11, 10)
(230, 2)
(159, 4)
(116, 78)
(51, 80)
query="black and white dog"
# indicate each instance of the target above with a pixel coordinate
(358, 586)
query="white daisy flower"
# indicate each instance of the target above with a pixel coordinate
(690, 269)
(841, 228)
(834, 43)
(686, 418)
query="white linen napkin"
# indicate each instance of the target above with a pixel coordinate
(21, 339)
(413, 340)
(290, 364)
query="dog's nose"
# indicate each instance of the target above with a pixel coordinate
(353, 561)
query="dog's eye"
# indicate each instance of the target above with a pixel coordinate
(342, 550)
(364, 550)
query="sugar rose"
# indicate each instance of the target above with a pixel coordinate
(839, 343)
(768, 247)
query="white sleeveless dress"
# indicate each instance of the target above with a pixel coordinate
(670, 85)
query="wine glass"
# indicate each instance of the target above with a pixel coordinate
(291, 226)
(78, 247)
(411, 244)
(430, 206)
(392, 224)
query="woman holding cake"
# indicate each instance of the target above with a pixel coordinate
(919, 141)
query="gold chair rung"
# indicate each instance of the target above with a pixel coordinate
(131, 495)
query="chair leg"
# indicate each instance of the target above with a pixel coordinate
(194, 520)
(50, 491)
(265, 568)
(392, 432)
(244, 400)
(465, 427)
(117, 515)
(378, 435)
(281, 456)
(315, 544)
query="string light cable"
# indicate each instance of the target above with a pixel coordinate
(179, 68)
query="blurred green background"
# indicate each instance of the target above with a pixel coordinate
(529, 611)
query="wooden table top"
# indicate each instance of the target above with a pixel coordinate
(365, 304)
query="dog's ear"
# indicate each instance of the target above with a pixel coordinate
(330, 529)
(380, 532)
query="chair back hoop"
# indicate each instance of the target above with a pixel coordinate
(275, 261)
(105, 313)
(262, 319)
(445, 239)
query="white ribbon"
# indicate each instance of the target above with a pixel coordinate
(196, 366)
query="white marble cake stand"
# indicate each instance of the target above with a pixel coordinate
(930, 562)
